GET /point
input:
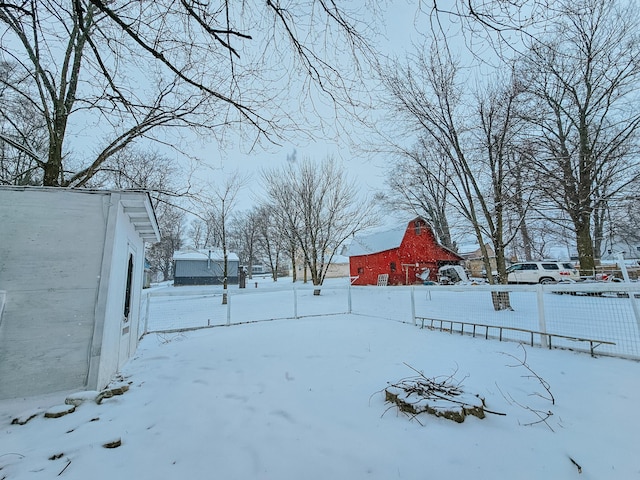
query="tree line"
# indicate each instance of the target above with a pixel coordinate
(309, 209)
(534, 139)
(539, 146)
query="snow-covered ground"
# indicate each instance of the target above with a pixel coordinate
(301, 398)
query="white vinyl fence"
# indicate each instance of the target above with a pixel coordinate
(603, 318)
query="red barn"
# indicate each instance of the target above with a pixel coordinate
(402, 252)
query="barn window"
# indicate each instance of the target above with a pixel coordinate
(392, 266)
(418, 227)
(127, 294)
(360, 270)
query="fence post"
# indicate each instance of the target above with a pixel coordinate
(228, 308)
(295, 301)
(625, 277)
(349, 298)
(413, 306)
(544, 341)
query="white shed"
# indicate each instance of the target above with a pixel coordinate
(71, 268)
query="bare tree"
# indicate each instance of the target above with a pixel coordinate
(428, 96)
(160, 254)
(418, 183)
(19, 124)
(581, 64)
(321, 208)
(135, 169)
(272, 237)
(197, 229)
(205, 66)
(584, 85)
(243, 233)
(70, 64)
(625, 221)
(522, 199)
(220, 203)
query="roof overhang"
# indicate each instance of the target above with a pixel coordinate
(137, 206)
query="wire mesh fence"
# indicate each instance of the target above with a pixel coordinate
(604, 317)
(606, 314)
(196, 307)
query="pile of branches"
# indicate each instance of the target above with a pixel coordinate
(439, 396)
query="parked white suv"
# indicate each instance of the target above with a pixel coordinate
(541, 272)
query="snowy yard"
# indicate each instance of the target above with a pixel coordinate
(292, 399)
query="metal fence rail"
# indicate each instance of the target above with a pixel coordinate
(599, 311)
(606, 313)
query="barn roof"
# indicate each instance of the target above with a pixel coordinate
(384, 240)
(377, 242)
(204, 254)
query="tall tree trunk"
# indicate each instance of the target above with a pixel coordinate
(585, 244)
(294, 265)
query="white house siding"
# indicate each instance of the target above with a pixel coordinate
(115, 340)
(63, 265)
(49, 267)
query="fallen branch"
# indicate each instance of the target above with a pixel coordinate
(65, 467)
(542, 381)
(541, 414)
(439, 396)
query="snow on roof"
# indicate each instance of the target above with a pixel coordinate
(377, 241)
(339, 259)
(204, 254)
(468, 248)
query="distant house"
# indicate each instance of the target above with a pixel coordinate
(402, 253)
(258, 270)
(629, 249)
(204, 267)
(71, 268)
(474, 261)
(146, 283)
(338, 268)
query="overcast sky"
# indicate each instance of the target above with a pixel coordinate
(367, 168)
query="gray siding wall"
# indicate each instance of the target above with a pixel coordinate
(50, 264)
(194, 272)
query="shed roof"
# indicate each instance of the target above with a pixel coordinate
(136, 204)
(204, 254)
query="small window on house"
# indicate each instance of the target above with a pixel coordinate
(127, 293)
(360, 270)
(392, 266)
(418, 227)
